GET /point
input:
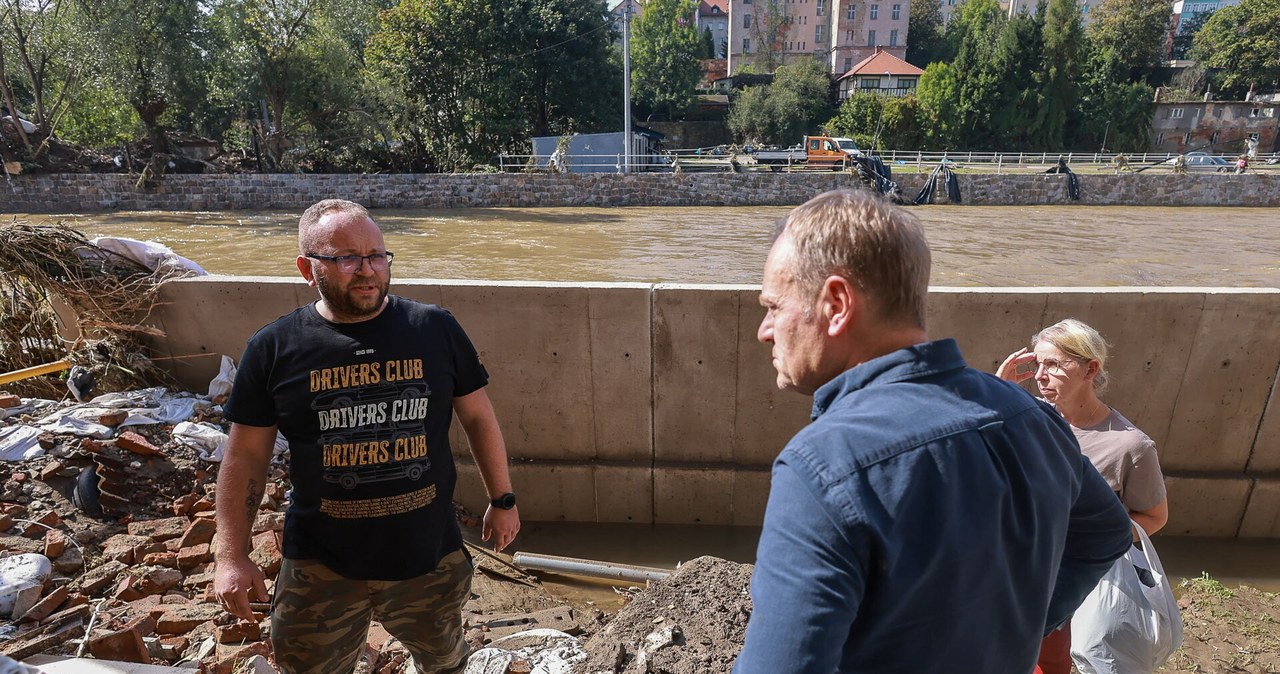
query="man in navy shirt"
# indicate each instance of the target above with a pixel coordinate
(932, 518)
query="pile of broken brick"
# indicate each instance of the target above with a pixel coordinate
(129, 556)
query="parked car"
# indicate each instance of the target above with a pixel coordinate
(1200, 162)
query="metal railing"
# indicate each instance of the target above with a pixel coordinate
(719, 159)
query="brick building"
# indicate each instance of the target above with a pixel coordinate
(1217, 127)
(838, 33)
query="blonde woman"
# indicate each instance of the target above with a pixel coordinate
(1068, 362)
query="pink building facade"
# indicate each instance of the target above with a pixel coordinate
(839, 33)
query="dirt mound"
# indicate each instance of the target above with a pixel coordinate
(691, 622)
(1226, 629)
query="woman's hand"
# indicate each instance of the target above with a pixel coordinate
(1012, 369)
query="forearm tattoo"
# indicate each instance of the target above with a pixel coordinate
(252, 501)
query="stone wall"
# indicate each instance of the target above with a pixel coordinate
(630, 402)
(65, 193)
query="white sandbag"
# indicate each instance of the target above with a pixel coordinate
(1126, 626)
(152, 255)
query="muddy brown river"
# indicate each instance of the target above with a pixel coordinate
(972, 245)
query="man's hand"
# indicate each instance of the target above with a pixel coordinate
(1014, 367)
(500, 525)
(236, 582)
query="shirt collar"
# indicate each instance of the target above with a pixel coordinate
(913, 362)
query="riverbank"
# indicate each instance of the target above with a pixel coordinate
(61, 193)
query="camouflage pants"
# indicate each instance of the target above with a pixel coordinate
(320, 620)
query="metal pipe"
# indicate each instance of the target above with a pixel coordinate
(588, 567)
(34, 371)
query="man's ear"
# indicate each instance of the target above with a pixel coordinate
(304, 268)
(839, 303)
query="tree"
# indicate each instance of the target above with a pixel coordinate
(47, 62)
(782, 112)
(1186, 34)
(1135, 30)
(153, 52)
(1016, 66)
(975, 33)
(1116, 112)
(1243, 41)
(767, 31)
(939, 98)
(708, 44)
(665, 46)
(1059, 75)
(926, 39)
(478, 79)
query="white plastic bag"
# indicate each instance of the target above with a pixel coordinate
(1126, 626)
(220, 386)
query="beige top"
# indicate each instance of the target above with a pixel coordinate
(1126, 458)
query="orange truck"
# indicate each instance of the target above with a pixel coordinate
(816, 150)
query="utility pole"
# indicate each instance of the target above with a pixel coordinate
(626, 87)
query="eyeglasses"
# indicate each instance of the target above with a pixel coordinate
(348, 264)
(1054, 367)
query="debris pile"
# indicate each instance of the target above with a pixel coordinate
(106, 545)
(691, 622)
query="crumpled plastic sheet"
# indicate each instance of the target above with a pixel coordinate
(28, 406)
(211, 442)
(19, 442)
(547, 651)
(145, 407)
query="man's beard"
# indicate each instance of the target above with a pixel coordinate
(342, 303)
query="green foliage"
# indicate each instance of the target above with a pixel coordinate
(975, 31)
(1135, 30)
(769, 23)
(1017, 66)
(924, 25)
(708, 44)
(875, 121)
(665, 47)
(100, 118)
(939, 115)
(1059, 76)
(1115, 110)
(1243, 41)
(42, 62)
(782, 112)
(476, 79)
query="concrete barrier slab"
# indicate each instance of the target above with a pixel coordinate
(693, 495)
(1225, 386)
(695, 366)
(1262, 517)
(1206, 506)
(766, 417)
(1266, 447)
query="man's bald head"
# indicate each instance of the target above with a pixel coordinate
(310, 235)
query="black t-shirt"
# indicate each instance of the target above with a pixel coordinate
(366, 409)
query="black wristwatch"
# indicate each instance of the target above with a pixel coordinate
(507, 501)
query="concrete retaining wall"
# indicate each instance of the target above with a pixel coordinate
(103, 192)
(655, 404)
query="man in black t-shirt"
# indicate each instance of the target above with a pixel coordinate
(363, 386)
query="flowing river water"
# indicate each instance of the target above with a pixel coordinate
(972, 246)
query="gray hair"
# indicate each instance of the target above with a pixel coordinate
(312, 216)
(879, 247)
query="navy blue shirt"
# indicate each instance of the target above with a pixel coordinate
(932, 518)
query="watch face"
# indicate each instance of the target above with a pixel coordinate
(507, 501)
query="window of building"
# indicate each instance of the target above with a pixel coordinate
(1186, 138)
(821, 7)
(746, 45)
(906, 83)
(1256, 112)
(897, 12)
(871, 38)
(817, 35)
(1160, 139)
(869, 83)
(1214, 138)
(875, 12)
(1217, 113)
(893, 38)
(848, 64)
(852, 13)
(746, 20)
(1175, 113)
